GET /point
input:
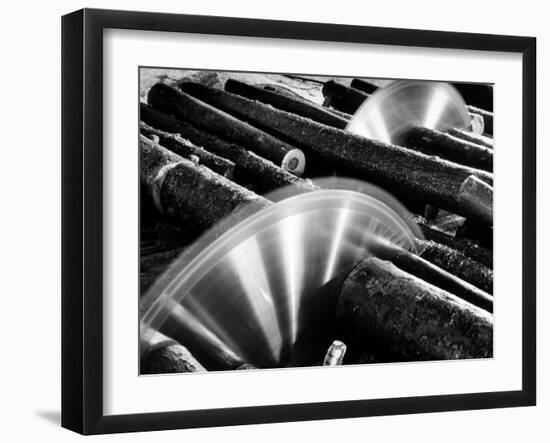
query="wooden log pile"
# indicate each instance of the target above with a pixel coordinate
(207, 152)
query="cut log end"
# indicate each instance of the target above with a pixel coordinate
(477, 124)
(294, 161)
(476, 197)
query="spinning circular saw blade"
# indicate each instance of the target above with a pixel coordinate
(261, 293)
(389, 113)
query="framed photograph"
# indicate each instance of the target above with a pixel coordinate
(271, 221)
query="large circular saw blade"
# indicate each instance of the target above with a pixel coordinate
(390, 112)
(261, 293)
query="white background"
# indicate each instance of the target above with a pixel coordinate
(30, 184)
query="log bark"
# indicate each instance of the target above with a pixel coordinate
(467, 247)
(396, 168)
(289, 93)
(167, 357)
(457, 264)
(192, 194)
(363, 85)
(208, 118)
(476, 94)
(487, 118)
(476, 197)
(299, 107)
(429, 272)
(250, 170)
(472, 137)
(343, 98)
(384, 310)
(188, 150)
(432, 142)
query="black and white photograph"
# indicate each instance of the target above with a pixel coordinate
(300, 220)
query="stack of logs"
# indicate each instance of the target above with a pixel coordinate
(206, 152)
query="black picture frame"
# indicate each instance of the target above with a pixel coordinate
(82, 220)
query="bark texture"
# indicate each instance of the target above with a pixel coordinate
(446, 146)
(169, 357)
(429, 272)
(396, 168)
(250, 170)
(211, 119)
(469, 248)
(457, 264)
(385, 310)
(188, 150)
(191, 193)
(472, 137)
(286, 103)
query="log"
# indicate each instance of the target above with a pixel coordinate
(396, 168)
(289, 93)
(432, 142)
(208, 118)
(279, 101)
(472, 137)
(457, 264)
(363, 85)
(476, 197)
(167, 357)
(343, 98)
(186, 149)
(429, 272)
(189, 193)
(476, 94)
(250, 170)
(385, 310)
(467, 247)
(486, 116)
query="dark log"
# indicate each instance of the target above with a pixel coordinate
(300, 107)
(475, 232)
(291, 94)
(476, 94)
(186, 149)
(363, 85)
(192, 194)
(457, 264)
(467, 247)
(429, 272)
(343, 98)
(432, 142)
(206, 117)
(472, 137)
(249, 169)
(396, 168)
(487, 118)
(476, 197)
(387, 311)
(168, 356)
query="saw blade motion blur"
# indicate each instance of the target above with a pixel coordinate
(390, 112)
